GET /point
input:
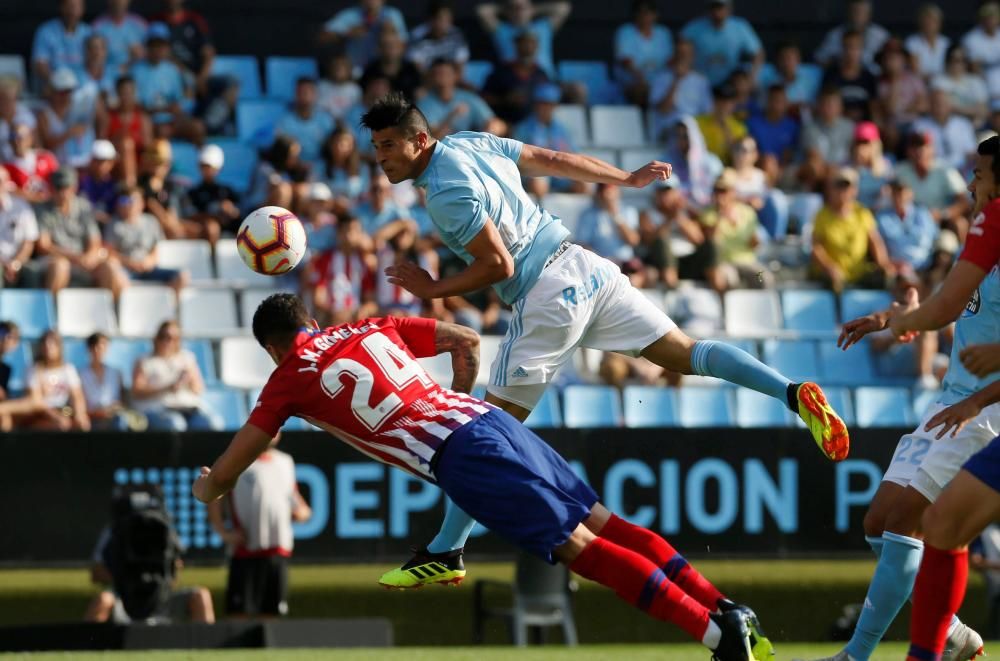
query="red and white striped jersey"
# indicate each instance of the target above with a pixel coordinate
(361, 383)
(394, 297)
(347, 279)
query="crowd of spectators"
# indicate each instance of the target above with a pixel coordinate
(857, 153)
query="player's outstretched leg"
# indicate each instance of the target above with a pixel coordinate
(441, 561)
(676, 351)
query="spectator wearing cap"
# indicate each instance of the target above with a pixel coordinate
(610, 228)
(869, 161)
(342, 171)
(927, 46)
(859, 20)
(642, 48)
(723, 42)
(304, 121)
(132, 237)
(97, 182)
(129, 127)
(542, 20)
(125, 34)
(164, 198)
(901, 95)
(66, 122)
(190, 41)
(908, 230)
(851, 76)
(30, 169)
(160, 85)
(390, 62)
(800, 85)
(509, 87)
(847, 249)
(358, 29)
(213, 203)
(720, 128)
(337, 92)
(936, 185)
(58, 43)
(448, 108)
(982, 46)
(969, 95)
(827, 134)
(438, 38)
(69, 241)
(953, 134)
(543, 129)
(733, 229)
(12, 112)
(775, 130)
(678, 90)
(18, 234)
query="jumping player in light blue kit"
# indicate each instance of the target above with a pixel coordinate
(563, 296)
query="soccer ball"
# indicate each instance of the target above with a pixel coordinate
(271, 240)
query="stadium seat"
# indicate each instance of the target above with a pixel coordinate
(752, 312)
(231, 269)
(573, 117)
(605, 154)
(238, 166)
(229, 404)
(489, 347)
(856, 303)
(31, 309)
(143, 309)
(754, 409)
(697, 309)
(567, 206)
(85, 311)
(633, 159)
(593, 74)
(650, 406)
(591, 406)
(208, 313)
(20, 360)
(256, 119)
(617, 127)
(883, 407)
(842, 402)
(184, 156)
(205, 355)
(124, 352)
(923, 398)
(438, 368)
(744, 343)
(244, 363)
(796, 359)
(75, 352)
(546, 414)
(244, 69)
(284, 72)
(810, 310)
(13, 66)
(840, 369)
(475, 72)
(192, 255)
(705, 407)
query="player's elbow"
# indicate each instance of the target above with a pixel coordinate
(503, 266)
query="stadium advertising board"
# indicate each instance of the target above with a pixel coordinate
(712, 491)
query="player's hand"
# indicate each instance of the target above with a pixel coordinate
(898, 310)
(953, 418)
(855, 329)
(981, 359)
(648, 173)
(412, 278)
(200, 487)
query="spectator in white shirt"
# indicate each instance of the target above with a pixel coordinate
(953, 135)
(678, 91)
(927, 46)
(969, 96)
(55, 384)
(12, 113)
(18, 233)
(338, 92)
(982, 45)
(859, 19)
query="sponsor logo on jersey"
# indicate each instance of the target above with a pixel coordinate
(975, 302)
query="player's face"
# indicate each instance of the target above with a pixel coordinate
(396, 154)
(984, 184)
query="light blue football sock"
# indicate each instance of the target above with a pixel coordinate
(890, 588)
(455, 529)
(724, 361)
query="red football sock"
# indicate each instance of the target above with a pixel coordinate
(659, 551)
(937, 595)
(642, 584)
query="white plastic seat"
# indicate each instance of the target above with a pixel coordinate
(617, 126)
(244, 363)
(208, 313)
(192, 255)
(234, 272)
(633, 159)
(13, 66)
(573, 117)
(608, 155)
(249, 300)
(143, 309)
(85, 311)
(751, 312)
(567, 206)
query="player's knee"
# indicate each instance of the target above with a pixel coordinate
(940, 529)
(874, 522)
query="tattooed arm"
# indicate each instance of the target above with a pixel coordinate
(463, 344)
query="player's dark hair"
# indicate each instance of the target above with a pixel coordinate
(394, 111)
(94, 338)
(991, 147)
(279, 318)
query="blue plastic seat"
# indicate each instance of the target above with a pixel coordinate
(256, 119)
(476, 72)
(185, 162)
(856, 303)
(75, 352)
(650, 406)
(239, 165)
(923, 399)
(878, 406)
(547, 413)
(594, 76)
(228, 403)
(796, 359)
(840, 399)
(813, 310)
(33, 310)
(284, 72)
(845, 368)
(744, 343)
(20, 360)
(205, 355)
(244, 69)
(591, 406)
(124, 352)
(754, 409)
(705, 407)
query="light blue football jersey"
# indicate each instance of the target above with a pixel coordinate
(472, 178)
(979, 324)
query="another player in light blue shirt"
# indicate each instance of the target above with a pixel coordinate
(722, 42)
(124, 33)
(361, 26)
(542, 19)
(59, 42)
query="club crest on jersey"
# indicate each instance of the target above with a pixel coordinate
(972, 307)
